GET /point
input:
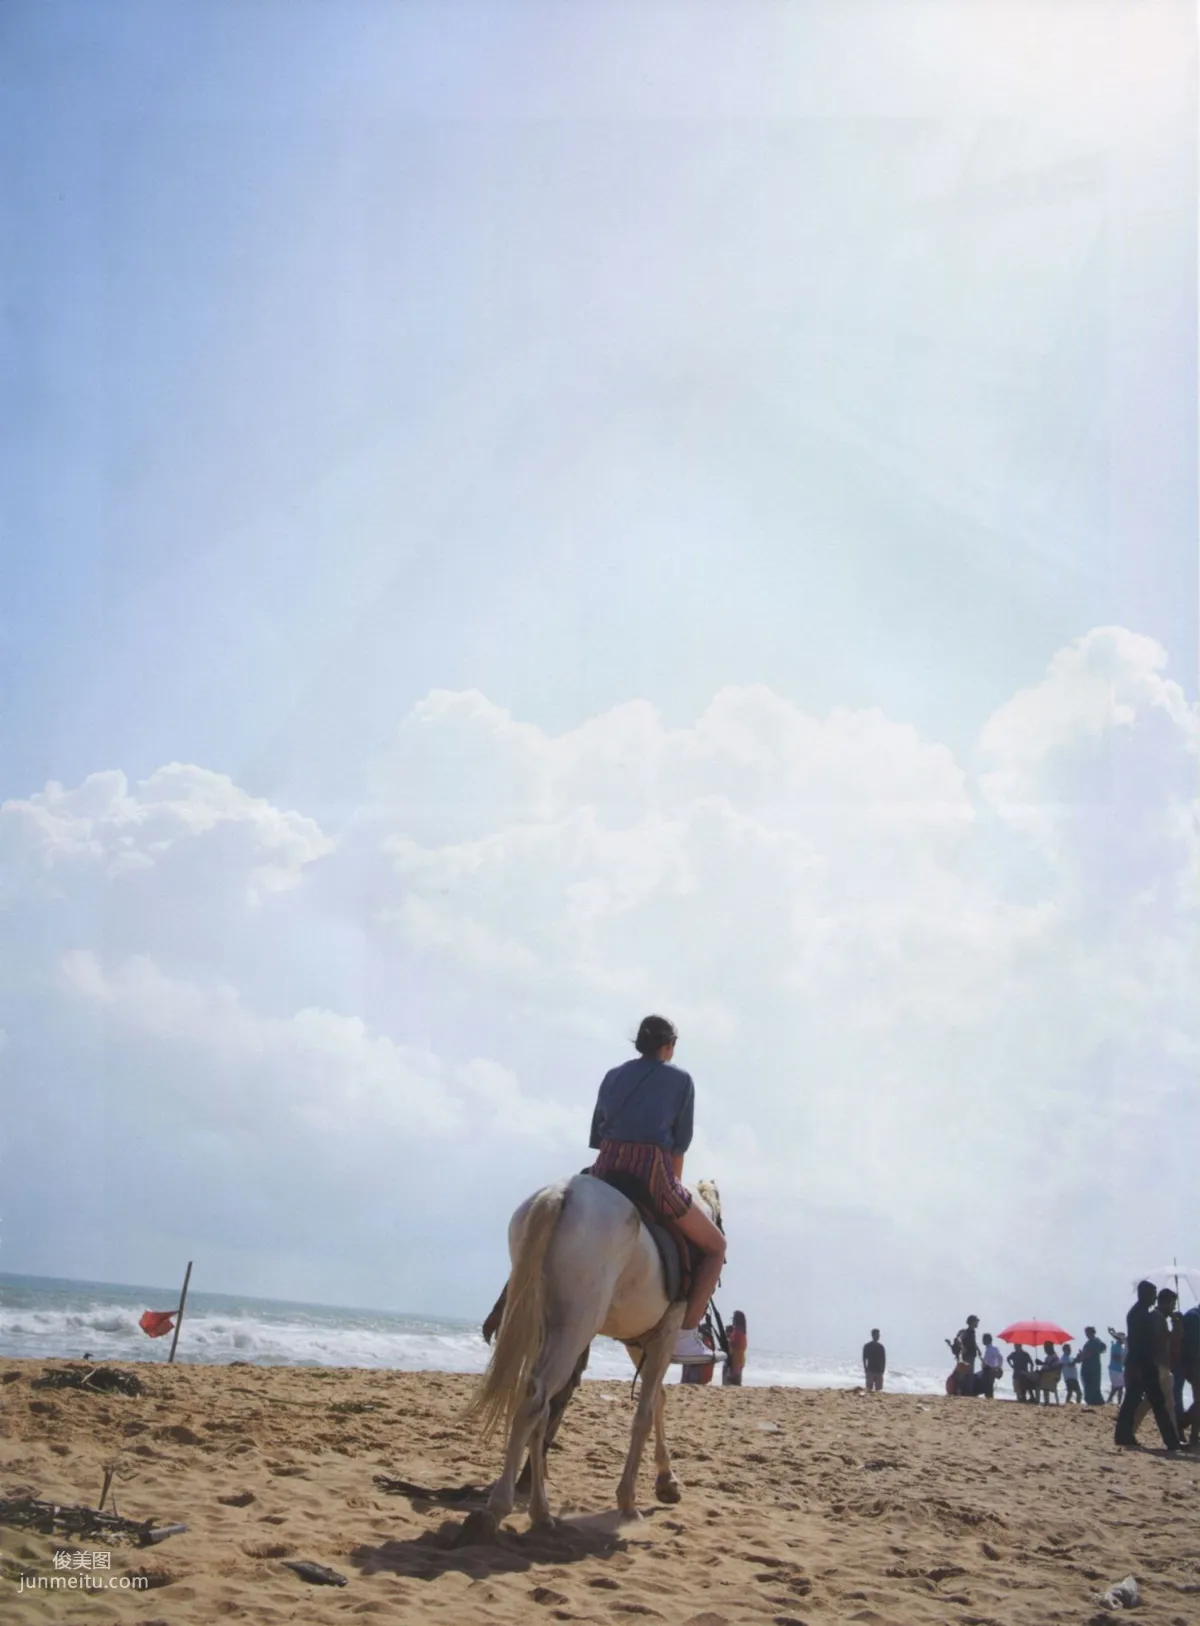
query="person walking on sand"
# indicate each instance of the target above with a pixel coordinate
(735, 1337)
(642, 1127)
(1142, 1380)
(874, 1360)
(1162, 1318)
(1089, 1368)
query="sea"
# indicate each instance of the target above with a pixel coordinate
(49, 1318)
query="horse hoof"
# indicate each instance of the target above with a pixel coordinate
(667, 1490)
(478, 1527)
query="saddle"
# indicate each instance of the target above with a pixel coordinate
(676, 1252)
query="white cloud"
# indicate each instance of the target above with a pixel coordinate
(758, 859)
(904, 990)
(1104, 734)
(820, 905)
(315, 1068)
(103, 822)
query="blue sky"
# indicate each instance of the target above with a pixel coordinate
(545, 458)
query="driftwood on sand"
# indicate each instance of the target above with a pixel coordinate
(85, 1523)
(316, 1574)
(105, 1378)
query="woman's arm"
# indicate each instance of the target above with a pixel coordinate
(682, 1135)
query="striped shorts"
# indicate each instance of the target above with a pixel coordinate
(651, 1167)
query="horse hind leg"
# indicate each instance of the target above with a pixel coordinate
(552, 1373)
(558, 1406)
(503, 1493)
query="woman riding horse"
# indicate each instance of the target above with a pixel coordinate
(584, 1266)
(642, 1127)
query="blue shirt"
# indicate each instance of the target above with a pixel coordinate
(648, 1101)
(1089, 1356)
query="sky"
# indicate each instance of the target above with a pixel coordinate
(519, 516)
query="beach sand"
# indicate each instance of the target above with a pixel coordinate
(798, 1506)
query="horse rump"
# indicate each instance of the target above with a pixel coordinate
(506, 1382)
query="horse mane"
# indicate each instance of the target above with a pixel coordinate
(708, 1194)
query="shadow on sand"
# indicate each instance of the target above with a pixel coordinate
(475, 1546)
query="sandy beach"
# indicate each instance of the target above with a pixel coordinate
(798, 1506)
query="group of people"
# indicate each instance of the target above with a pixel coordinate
(1040, 1375)
(1162, 1359)
(1150, 1366)
(641, 1129)
(967, 1347)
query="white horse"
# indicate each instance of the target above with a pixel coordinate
(582, 1264)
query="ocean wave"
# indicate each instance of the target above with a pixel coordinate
(62, 1323)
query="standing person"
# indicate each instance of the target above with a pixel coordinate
(1175, 1324)
(1141, 1373)
(735, 1363)
(1116, 1367)
(874, 1361)
(965, 1350)
(1021, 1362)
(1190, 1356)
(1089, 1368)
(1049, 1369)
(695, 1371)
(1162, 1318)
(1070, 1371)
(642, 1126)
(993, 1365)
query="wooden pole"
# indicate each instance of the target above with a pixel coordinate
(179, 1313)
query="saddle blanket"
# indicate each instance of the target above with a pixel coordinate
(674, 1249)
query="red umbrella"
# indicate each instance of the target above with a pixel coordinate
(1035, 1332)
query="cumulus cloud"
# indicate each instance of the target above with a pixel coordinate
(757, 861)
(625, 855)
(1098, 761)
(908, 985)
(314, 1069)
(103, 822)
(869, 993)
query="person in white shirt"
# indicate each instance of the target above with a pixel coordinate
(993, 1365)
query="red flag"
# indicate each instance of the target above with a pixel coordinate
(157, 1323)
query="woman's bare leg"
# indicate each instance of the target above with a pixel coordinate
(698, 1228)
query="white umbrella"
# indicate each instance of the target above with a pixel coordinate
(1172, 1275)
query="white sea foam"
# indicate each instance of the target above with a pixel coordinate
(45, 1319)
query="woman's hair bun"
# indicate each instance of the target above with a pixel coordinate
(654, 1032)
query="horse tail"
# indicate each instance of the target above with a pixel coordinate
(509, 1375)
